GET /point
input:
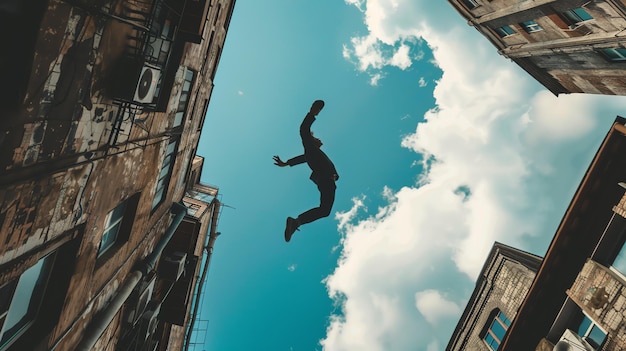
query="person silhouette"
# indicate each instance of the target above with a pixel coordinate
(324, 174)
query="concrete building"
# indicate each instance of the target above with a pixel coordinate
(569, 46)
(578, 297)
(105, 228)
(500, 289)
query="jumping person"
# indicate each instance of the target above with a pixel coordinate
(324, 174)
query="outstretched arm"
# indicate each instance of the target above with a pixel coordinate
(291, 162)
(305, 127)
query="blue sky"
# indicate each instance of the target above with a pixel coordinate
(442, 145)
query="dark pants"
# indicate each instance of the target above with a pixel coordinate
(327, 198)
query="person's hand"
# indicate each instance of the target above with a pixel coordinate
(279, 162)
(317, 106)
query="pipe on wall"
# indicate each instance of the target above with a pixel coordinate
(102, 320)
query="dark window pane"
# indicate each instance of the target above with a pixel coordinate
(26, 300)
(584, 326)
(597, 336)
(498, 330)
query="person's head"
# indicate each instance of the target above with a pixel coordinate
(317, 106)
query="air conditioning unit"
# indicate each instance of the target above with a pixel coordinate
(149, 321)
(153, 345)
(139, 300)
(172, 266)
(576, 342)
(147, 84)
(133, 80)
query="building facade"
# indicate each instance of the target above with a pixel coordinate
(105, 228)
(569, 46)
(500, 289)
(576, 297)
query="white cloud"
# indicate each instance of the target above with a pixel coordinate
(501, 158)
(433, 346)
(434, 306)
(422, 82)
(401, 58)
(346, 217)
(240, 92)
(292, 267)
(360, 4)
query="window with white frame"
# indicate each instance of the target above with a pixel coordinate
(113, 223)
(531, 26)
(21, 299)
(577, 15)
(505, 31)
(165, 173)
(498, 325)
(591, 332)
(619, 264)
(184, 97)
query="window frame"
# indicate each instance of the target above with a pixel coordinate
(122, 226)
(503, 32)
(165, 173)
(574, 17)
(616, 55)
(37, 293)
(470, 4)
(112, 227)
(531, 26)
(189, 77)
(592, 325)
(621, 257)
(488, 335)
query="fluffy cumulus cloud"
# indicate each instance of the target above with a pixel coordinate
(434, 306)
(383, 46)
(501, 158)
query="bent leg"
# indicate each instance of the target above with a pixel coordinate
(327, 198)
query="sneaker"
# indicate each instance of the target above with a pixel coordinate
(290, 228)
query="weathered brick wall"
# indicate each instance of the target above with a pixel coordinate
(506, 284)
(601, 293)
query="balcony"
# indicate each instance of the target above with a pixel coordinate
(601, 293)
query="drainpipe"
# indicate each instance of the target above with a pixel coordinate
(102, 320)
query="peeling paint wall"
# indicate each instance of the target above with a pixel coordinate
(72, 153)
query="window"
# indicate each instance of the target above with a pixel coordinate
(184, 97)
(471, 4)
(505, 31)
(577, 15)
(112, 228)
(118, 224)
(615, 54)
(165, 174)
(531, 26)
(498, 324)
(21, 299)
(591, 332)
